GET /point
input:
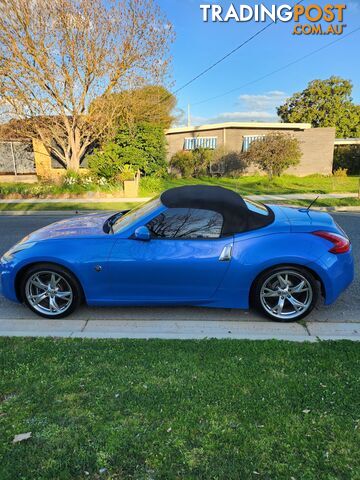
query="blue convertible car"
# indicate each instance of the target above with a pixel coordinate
(197, 245)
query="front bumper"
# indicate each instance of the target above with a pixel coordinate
(7, 282)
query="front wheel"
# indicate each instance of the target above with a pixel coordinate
(286, 293)
(50, 291)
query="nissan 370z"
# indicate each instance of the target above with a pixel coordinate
(196, 245)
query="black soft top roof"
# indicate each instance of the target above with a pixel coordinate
(237, 216)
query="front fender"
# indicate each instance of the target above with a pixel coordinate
(78, 255)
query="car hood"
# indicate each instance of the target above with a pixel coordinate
(78, 226)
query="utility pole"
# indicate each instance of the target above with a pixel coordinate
(188, 116)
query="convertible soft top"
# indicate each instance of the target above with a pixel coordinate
(236, 214)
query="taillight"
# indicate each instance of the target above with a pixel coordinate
(341, 244)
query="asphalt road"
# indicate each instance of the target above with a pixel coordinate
(346, 309)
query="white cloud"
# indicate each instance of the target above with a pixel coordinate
(266, 101)
(250, 108)
(245, 116)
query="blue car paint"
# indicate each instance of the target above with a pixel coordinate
(178, 272)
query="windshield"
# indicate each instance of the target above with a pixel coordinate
(143, 209)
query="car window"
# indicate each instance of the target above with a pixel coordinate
(126, 220)
(186, 223)
(256, 207)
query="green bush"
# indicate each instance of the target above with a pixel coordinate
(184, 163)
(139, 148)
(274, 153)
(347, 156)
(106, 163)
(192, 163)
(151, 186)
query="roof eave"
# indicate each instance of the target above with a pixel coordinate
(250, 125)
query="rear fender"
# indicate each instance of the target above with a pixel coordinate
(252, 256)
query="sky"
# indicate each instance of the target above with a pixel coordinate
(199, 44)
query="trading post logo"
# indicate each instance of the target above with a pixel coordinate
(312, 19)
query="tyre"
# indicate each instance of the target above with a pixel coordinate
(50, 291)
(286, 294)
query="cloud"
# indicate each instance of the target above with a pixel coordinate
(266, 101)
(250, 108)
(245, 116)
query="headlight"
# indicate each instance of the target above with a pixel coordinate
(9, 255)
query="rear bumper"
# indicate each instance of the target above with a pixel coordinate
(336, 273)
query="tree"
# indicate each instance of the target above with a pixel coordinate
(151, 104)
(57, 57)
(143, 148)
(325, 103)
(274, 153)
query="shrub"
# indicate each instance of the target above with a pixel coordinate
(127, 172)
(106, 163)
(347, 156)
(231, 163)
(202, 160)
(151, 185)
(184, 163)
(275, 153)
(340, 172)
(142, 148)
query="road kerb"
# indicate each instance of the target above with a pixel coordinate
(180, 330)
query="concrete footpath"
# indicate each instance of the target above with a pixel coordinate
(180, 330)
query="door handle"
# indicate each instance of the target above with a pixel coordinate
(226, 254)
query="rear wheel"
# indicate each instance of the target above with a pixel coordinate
(50, 291)
(286, 294)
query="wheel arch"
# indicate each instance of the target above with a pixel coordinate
(283, 265)
(28, 266)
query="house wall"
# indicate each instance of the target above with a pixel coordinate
(317, 145)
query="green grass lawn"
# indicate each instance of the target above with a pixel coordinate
(150, 186)
(257, 185)
(117, 206)
(212, 409)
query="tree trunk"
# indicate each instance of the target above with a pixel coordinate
(75, 146)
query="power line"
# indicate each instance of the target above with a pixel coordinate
(227, 55)
(278, 69)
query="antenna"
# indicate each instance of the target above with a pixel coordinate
(312, 203)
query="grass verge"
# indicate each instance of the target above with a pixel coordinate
(258, 185)
(117, 206)
(36, 207)
(212, 409)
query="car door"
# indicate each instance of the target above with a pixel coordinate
(184, 261)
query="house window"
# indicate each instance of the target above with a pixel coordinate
(200, 142)
(248, 139)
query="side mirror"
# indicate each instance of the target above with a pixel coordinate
(142, 233)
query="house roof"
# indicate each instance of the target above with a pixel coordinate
(347, 141)
(248, 125)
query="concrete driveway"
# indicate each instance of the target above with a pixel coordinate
(341, 320)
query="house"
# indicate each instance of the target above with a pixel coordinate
(317, 144)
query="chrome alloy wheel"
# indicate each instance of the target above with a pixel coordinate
(48, 292)
(286, 295)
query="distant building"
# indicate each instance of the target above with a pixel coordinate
(317, 144)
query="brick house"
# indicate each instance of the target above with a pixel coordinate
(317, 144)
